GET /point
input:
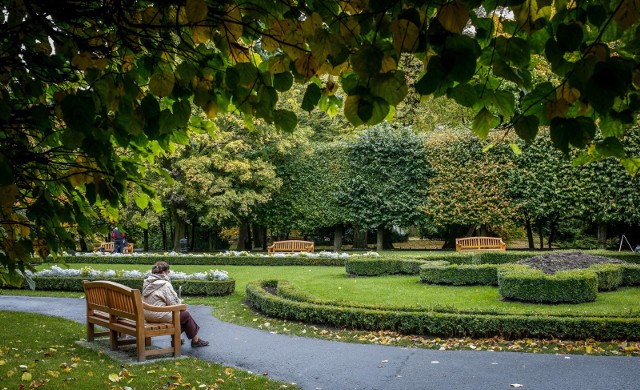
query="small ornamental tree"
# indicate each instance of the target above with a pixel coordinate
(389, 176)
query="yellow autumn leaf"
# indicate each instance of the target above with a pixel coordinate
(599, 51)
(8, 197)
(353, 6)
(3, 362)
(453, 16)
(389, 64)
(161, 83)
(151, 16)
(405, 35)
(232, 23)
(196, 10)
(306, 66)
(200, 34)
(556, 109)
(349, 30)
(82, 60)
(26, 376)
(588, 349)
(114, 377)
(311, 24)
(628, 13)
(54, 374)
(211, 110)
(566, 92)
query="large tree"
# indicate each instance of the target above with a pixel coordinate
(82, 79)
(388, 179)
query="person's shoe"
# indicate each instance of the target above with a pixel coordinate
(199, 343)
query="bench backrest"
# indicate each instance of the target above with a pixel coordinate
(107, 246)
(115, 299)
(292, 244)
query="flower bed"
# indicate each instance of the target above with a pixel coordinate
(212, 282)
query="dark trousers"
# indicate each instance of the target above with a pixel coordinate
(117, 247)
(188, 324)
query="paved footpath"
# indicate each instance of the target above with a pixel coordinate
(327, 365)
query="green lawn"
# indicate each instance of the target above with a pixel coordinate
(332, 283)
(39, 350)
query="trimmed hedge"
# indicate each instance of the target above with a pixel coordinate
(440, 323)
(630, 274)
(609, 276)
(381, 266)
(189, 287)
(523, 283)
(441, 272)
(203, 260)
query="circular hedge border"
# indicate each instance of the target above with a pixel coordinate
(264, 296)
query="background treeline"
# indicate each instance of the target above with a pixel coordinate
(243, 188)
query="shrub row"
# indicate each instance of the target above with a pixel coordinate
(203, 260)
(523, 283)
(189, 287)
(381, 266)
(441, 272)
(438, 323)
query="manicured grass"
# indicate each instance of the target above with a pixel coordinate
(39, 350)
(332, 283)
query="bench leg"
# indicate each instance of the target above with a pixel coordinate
(147, 341)
(113, 339)
(91, 331)
(140, 347)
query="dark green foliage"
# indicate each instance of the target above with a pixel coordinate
(388, 178)
(457, 275)
(439, 323)
(377, 267)
(189, 287)
(523, 283)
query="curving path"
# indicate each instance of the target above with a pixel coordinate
(322, 365)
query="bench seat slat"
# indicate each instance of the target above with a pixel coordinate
(291, 246)
(480, 244)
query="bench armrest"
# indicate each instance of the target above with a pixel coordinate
(146, 306)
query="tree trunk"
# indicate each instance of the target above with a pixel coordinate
(527, 223)
(163, 229)
(359, 238)
(257, 235)
(264, 239)
(337, 238)
(83, 244)
(180, 230)
(244, 236)
(553, 230)
(387, 239)
(540, 235)
(380, 239)
(602, 235)
(145, 239)
(193, 236)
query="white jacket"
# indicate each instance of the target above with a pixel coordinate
(158, 291)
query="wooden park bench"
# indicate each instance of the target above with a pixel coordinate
(291, 246)
(480, 244)
(108, 247)
(120, 309)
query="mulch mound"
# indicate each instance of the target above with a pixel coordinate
(562, 261)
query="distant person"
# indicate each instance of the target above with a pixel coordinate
(118, 240)
(158, 291)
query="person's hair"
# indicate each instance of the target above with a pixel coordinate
(159, 267)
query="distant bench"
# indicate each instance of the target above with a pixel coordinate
(291, 246)
(480, 244)
(120, 309)
(108, 247)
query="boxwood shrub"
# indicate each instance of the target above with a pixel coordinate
(526, 284)
(630, 274)
(261, 297)
(441, 272)
(609, 276)
(382, 266)
(189, 287)
(203, 260)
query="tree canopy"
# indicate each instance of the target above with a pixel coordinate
(82, 81)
